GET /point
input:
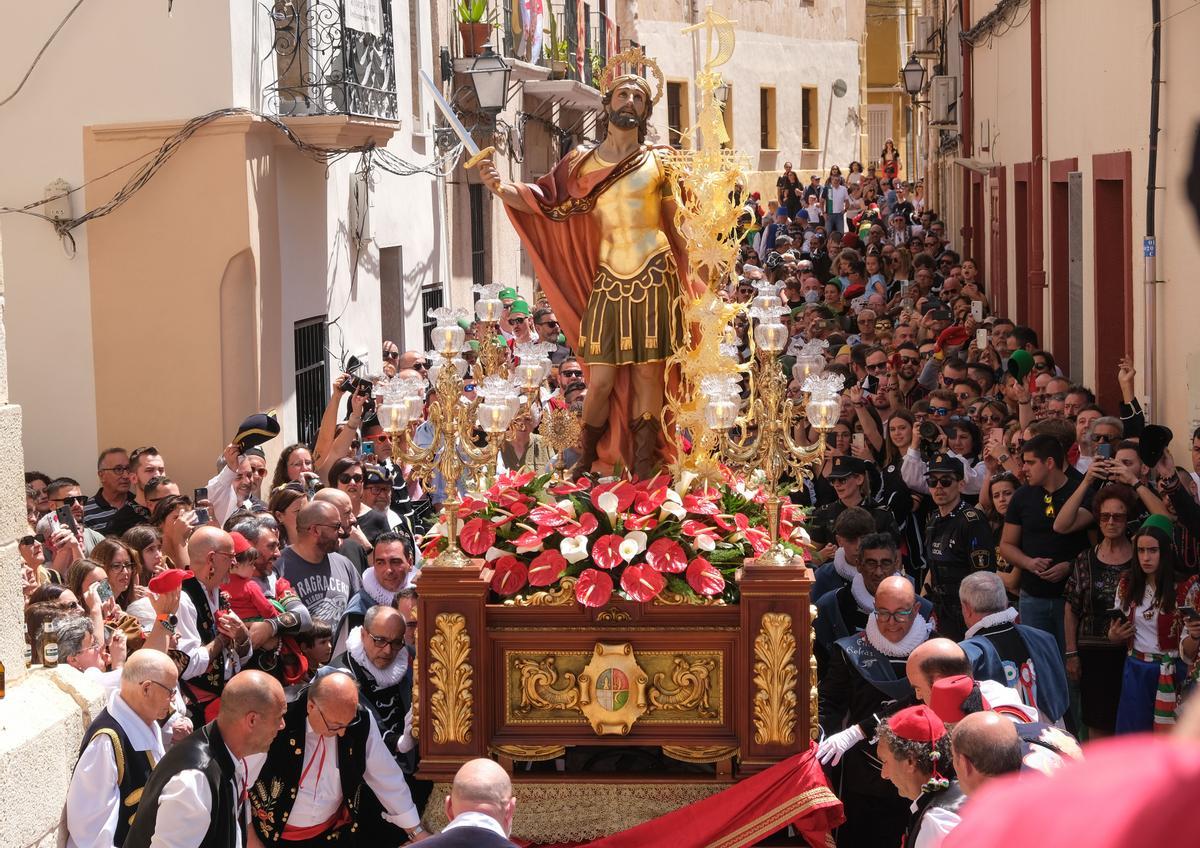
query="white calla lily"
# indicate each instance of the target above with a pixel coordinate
(672, 508)
(609, 503)
(705, 542)
(574, 548)
(628, 550)
(493, 554)
(567, 507)
(638, 538)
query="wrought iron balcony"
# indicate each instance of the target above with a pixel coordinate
(332, 57)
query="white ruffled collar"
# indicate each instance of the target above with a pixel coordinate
(1005, 616)
(843, 568)
(917, 634)
(864, 599)
(372, 587)
(384, 677)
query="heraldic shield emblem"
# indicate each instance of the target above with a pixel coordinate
(613, 689)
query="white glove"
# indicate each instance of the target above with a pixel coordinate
(830, 751)
(406, 742)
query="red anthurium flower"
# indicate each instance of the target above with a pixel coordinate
(648, 502)
(698, 505)
(642, 583)
(470, 506)
(587, 524)
(742, 522)
(605, 553)
(704, 578)
(593, 588)
(518, 509)
(532, 538)
(569, 488)
(622, 489)
(759, 540)
(476, 536)
(549, 516)
(510, 575)
(722, 521)
(641, 522)
(666, 555)
(692, 527)
(514, 480)
(546, 568)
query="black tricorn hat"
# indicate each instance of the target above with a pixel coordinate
(1154, 440)
(258, 428)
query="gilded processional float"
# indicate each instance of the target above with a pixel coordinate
(659, 613)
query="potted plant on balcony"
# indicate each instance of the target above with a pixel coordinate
(556, 51)
(474, 26)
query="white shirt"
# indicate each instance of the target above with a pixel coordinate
(471, 818)
(1145, 630)
(191, 644)
(94, 796)
(935, 827)
(913, 469)
(319, 795)
(838, 196)
(186, 802)
(221, 495)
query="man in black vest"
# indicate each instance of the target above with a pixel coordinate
(378, 658)
(213, 641)
(914, 748)
(196, 796)
(309, 788)
(119, 750)
(480, 807)
(867, 671)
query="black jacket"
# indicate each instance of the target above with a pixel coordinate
(468, 837)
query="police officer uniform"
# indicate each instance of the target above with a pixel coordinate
(956, 544)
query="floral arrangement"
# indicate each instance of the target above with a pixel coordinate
(633, 538)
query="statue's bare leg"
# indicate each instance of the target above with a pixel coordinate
(601, 379)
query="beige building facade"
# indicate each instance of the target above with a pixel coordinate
(1043, 174)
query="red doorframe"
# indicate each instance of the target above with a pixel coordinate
(1022, 175)
(978, 224)
(1112, 205)
(1060, 262)
(998, 240)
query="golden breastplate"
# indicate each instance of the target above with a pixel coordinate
(629, 217)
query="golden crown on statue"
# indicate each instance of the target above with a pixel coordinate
(635, 58)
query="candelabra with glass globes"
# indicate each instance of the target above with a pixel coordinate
(446, 444)
(765, 441)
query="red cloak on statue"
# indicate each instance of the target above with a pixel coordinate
(564, 244)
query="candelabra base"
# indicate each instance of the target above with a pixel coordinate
(776, 555)
(452, 557)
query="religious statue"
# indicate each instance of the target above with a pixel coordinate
(600, 229)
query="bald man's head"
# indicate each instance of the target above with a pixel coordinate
(333, 703)
(210, 555)
(339, 499)
(933, 660)
(251, 712)
(482, 786)
(895, 608)
(148, 680)
(984, 745)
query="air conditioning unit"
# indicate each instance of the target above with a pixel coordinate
(943, 101)
(923, 46)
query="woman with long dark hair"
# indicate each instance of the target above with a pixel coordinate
(1149, 622)
(1093, 662)
(889, 160)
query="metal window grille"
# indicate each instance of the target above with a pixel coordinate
(570, 29)
(506, 12)
(310, 340)
(478, 235)
(432, 297)
(674, 114)
(807, 104)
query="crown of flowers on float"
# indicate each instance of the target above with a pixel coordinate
(623, 68)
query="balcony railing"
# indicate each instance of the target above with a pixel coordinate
(332, 57)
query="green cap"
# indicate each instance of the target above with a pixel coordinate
(1020, 363)
(519, 307)
(508, 294)
(465, 323)
(473, 345)
(1161, 522)
(562, 339)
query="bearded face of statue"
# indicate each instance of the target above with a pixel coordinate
(628, 108)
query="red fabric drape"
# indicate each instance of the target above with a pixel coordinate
(793, 792)
(565, 255)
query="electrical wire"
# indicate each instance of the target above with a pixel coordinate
(38, 57)
(380, 157)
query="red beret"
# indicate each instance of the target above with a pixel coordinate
(917, 724)
(168, 581)
(854, 291)
(240, 543)
(953, 336)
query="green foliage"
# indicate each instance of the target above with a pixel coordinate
(473, 11)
